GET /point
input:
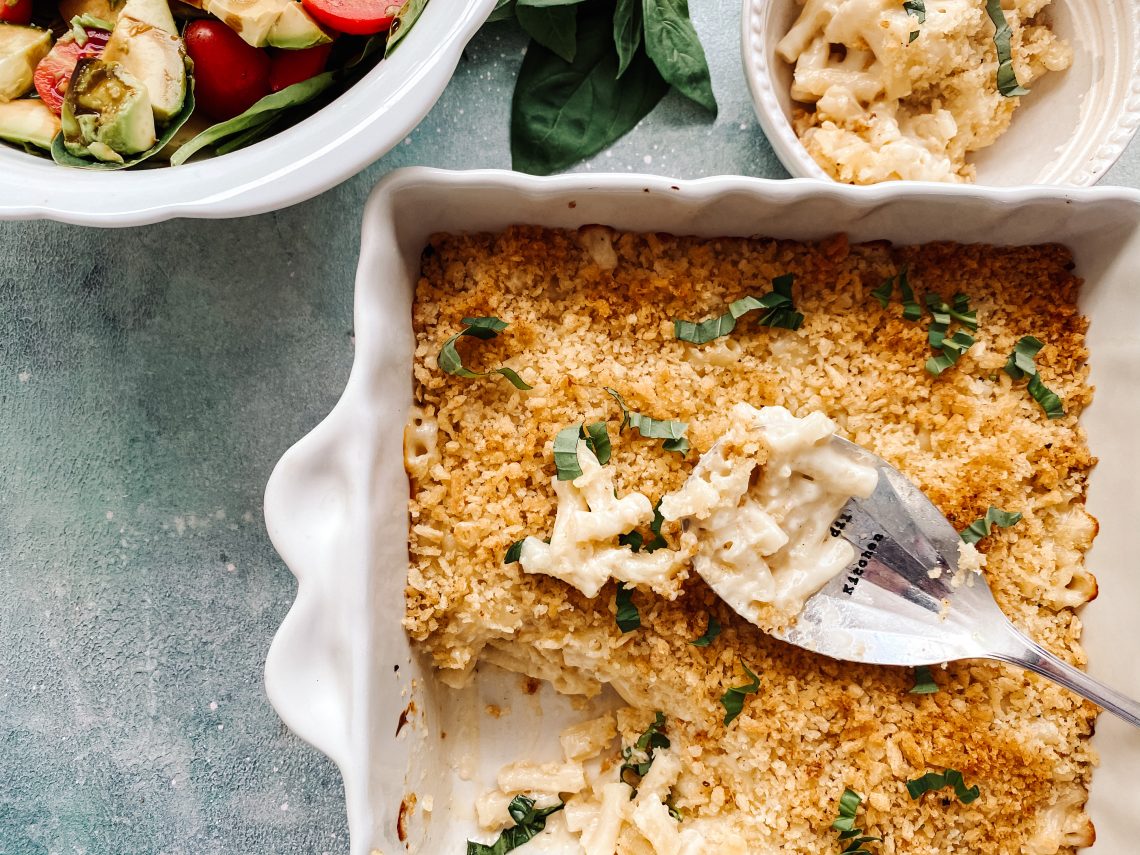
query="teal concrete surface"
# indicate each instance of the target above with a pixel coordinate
(149, 379)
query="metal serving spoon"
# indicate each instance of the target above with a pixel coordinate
(886, 609)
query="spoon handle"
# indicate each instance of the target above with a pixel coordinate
(1028, 654)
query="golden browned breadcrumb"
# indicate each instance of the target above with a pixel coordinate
(595, 308)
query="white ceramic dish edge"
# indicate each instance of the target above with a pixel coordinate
(296, 164)
(1105, 107)
(340, 671)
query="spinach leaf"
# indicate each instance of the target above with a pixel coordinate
(62, 156)
(409, 13)
(627, 32)
(565, 111)
(553, 27)
(672, 43)
(268, 107)
(504, 11)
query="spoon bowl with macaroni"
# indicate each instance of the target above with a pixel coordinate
(915, 595)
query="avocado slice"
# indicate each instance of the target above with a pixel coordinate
(280, 23)
(21, 49)
(296, 29)
(28, 121)
(146, 44)
(107, 112)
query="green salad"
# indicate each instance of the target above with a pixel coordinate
(112, 84)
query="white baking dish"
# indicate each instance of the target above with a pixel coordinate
(341, 672)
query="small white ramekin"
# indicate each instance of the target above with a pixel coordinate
(1069, 130)
(289, 167)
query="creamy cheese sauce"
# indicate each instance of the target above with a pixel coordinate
(756, 513)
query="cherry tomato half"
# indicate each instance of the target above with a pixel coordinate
(229, 75)
(358, 17)
(287, 67)
(16, 12)
(53, 74)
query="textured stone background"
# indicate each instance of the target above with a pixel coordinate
(149, 379)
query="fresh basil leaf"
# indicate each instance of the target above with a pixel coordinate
(627, 615)
(932, 781)
(710, 635)
(780, 313)
(1006, 77)
(954, 346)
(270, 105)
(528, 823)
(514, 552)
(407, 16)
(553, 27)
(563, 112)
(636, 541)
(670, 430)
(1021, 364)
(634, 768)
(911, 310)
(566, 453)
(917, 8)
(598, 441)
(627, 32)
(733, 699)
(633, 539)
(883, 292)
(980, 528)
(62, 156)
(923, 682)
(845, 824)
(482, 328)
(672, 43)
(504, 11)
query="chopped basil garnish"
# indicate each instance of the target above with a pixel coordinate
(733, 699)
(980, 528)
(674, 811)
(951, 347)
(918, 9)
(911, 310)
(514, 552)
(636, 541)
(566, 453)
(1006, 78)
(710, 634)
(923, 681)
(528, 823)
(481, 328)
(670, 430)
(845, 824)
(628, 617)
(932, 781)
(634, 768)
(780, 313)
(1021, 365)
(598, 441)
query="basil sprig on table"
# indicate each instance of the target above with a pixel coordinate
(482, 328)
(845, 824)
(595, 69)
(1006, 78)
(932, 781)
(528, 822)
(780, 312)
(980, 528)
(1021, 365)
(733, 699)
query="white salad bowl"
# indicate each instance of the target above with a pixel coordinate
(288, 167)
(341, 671)
(1069, 130)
